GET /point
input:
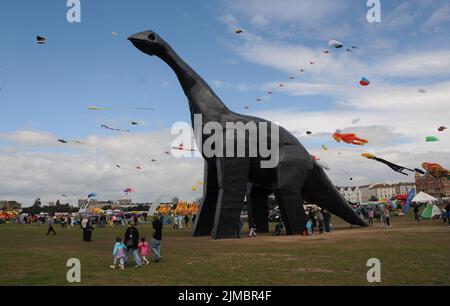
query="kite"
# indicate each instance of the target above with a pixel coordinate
(281, 85)
(356, 120)
(181, 148)
(238, 31)
(128, 190)
(71, 141)
(395, 167)
(308, 132)
(431, 139)
(292, 77)
(302, 70)
(246, 107)
(349, 138)
(114, 33)
(112, 129)
(63, 195)
(144, 108)
(419, 171)
(326, 52)
(421, 90)
(442, 128)
(325, 147)
(95, 108)
(153, 160)
(355, 47)
(92, 195)
(334, 43)
(258, 100)
(139, 168)
(200, 183)
(435, 169)
(134, 123)
(194, 188)
(41, 40)
(311, 63)
(349, 50)
(269, 92)
(364, 81)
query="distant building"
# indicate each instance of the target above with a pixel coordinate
(10, 205)
(351, 194)
(436, 187)
(124, 203)
(380, 191)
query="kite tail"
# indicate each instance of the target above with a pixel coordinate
(319, 190)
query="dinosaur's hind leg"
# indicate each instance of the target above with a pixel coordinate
(258, 208)
(292, 173)
(232, 178)
(205, 218)
(292, 211)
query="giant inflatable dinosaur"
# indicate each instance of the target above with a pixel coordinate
(295, 178)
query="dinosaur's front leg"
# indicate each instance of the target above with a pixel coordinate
(205, 217)
(232, 178)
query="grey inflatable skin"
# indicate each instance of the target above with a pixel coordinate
(229, 179)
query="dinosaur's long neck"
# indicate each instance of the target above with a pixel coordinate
(201, 97)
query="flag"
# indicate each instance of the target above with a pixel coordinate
(411, 196)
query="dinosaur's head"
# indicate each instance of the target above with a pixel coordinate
(148, 42)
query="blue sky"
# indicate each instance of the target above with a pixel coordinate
(48, 87)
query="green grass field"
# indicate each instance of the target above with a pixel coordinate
(409, 254)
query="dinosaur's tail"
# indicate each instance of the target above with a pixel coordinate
(319, 190)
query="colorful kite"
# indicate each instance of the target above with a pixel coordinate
(181, 148)
(349, 138)
(92, 195)
(128, 190)
(364, 81)
(325, 147)
(435, 169)
(238, 31)
(395, 167)
(431, 139)
(442, 128)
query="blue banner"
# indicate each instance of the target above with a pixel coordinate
(411, 196)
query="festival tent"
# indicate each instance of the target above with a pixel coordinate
(423, 197)
(431, 212)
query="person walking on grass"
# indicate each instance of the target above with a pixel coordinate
(50, 222)
(416, 214)
(157, 237)
(444, 216)
(186, 220)
(370, 216)
(131, 241)
(387, 217)
(326, 221)
(118, 254)
(143, 248)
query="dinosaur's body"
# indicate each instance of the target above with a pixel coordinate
(229, 179)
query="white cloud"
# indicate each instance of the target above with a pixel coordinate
(92, 169)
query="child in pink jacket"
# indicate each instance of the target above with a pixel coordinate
(143, 248)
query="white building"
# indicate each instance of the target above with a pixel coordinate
(351, 194)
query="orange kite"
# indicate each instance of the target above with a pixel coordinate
(349, 138)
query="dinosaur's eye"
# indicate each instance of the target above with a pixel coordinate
(151, 37)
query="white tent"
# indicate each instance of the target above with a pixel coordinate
(423, 197)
